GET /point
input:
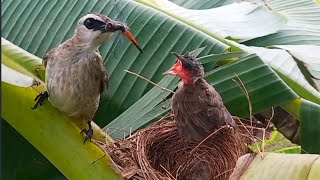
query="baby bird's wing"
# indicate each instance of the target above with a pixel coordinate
(198, 112)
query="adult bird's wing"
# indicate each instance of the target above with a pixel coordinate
(104, 76)
(104, 81)
(47, 56)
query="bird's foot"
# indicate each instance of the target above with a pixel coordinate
(230, 127)
(40, 98)
(89, 133)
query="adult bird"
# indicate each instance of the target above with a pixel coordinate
(198, 108)
(75, 73)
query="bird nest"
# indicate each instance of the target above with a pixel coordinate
(159, 152)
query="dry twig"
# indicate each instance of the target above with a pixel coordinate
(153, 83)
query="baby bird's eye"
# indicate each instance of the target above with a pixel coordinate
(186, 65)
(89, 23)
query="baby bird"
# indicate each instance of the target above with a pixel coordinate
(75, 73)
(198, 108)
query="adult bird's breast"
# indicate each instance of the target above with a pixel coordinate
(75, 88)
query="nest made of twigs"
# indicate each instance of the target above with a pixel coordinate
(160, 152)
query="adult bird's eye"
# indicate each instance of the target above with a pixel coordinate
(89, 23)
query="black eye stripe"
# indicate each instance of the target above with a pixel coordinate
(94, 24)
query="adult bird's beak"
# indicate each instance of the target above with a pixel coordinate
(113, 26)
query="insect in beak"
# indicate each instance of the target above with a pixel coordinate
(113, 26)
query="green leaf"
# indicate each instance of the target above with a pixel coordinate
(243, 20)
(302, 27)
(279, 166)
(309, 116)
(197, 51)
(290, 150)
(134, 117)
(284, 64)
(310, 123)
(20, 60)
(11, 76)
(21, 160)
(203, 4)
(214, 58)
(308, 55)
(257, 77)
(53, 135)
(293, 107)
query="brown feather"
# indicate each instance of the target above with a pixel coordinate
(104, 82)
(199, 110)
(104, 75)
(46, 57)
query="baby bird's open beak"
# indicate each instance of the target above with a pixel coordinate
(176, 67)
(169, 71)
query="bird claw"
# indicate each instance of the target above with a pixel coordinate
(230, 127)
(40, 98)
(89, 134)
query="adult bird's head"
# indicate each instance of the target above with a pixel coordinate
(187, 68)
(94, 29)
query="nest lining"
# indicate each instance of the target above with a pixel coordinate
(159, 152)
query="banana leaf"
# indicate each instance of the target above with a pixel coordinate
(50, 131)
